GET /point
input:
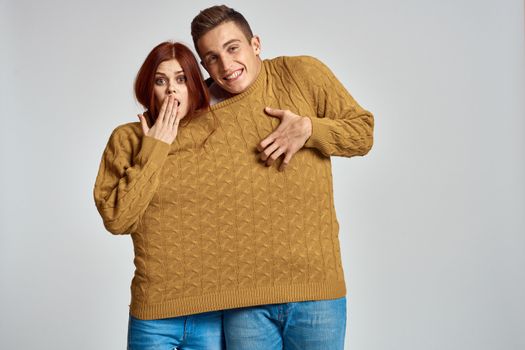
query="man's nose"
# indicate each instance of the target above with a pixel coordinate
(225, 62)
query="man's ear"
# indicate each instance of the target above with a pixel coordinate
(256, 44)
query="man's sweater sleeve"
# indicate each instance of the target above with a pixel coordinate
(128, 177)
(340, 127)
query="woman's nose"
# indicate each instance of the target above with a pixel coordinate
(171, 88)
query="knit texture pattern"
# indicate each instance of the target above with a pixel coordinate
(213, 227)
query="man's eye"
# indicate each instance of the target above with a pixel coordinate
(233, 48)
(211, 59)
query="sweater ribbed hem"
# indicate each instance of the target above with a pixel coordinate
(239, 298)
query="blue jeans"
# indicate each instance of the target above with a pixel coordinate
(308, 325)
(193, 332)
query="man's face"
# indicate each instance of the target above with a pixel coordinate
(231, 60)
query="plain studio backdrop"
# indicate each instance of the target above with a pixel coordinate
(432, 220)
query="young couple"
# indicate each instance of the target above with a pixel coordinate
(230, 206)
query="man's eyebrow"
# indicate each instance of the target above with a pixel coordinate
(223, 45)
(229, 42)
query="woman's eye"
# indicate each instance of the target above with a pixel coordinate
(181, 79)
(160, 81)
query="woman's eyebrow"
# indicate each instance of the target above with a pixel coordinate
(162, 73)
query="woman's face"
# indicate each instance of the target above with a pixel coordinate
(170, 79)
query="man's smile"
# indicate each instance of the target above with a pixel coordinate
(234, 75)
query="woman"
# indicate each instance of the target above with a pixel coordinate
(170, 87)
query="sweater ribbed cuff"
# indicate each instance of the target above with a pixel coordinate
(152, 150)
(320, 134)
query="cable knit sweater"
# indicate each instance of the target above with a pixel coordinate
(213, 227)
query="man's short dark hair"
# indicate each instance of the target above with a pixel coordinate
(213, 16)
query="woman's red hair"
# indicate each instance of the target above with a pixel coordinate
(198, 97)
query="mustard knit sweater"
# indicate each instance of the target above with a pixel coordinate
(213, 227)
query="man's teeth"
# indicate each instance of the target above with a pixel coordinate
(233, 75)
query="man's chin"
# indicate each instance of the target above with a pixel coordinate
(233, 90)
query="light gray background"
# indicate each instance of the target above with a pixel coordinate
(432, 220)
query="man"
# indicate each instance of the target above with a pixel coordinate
(288, 289)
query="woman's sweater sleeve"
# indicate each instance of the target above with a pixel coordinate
(128, 177)
(341, 127)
